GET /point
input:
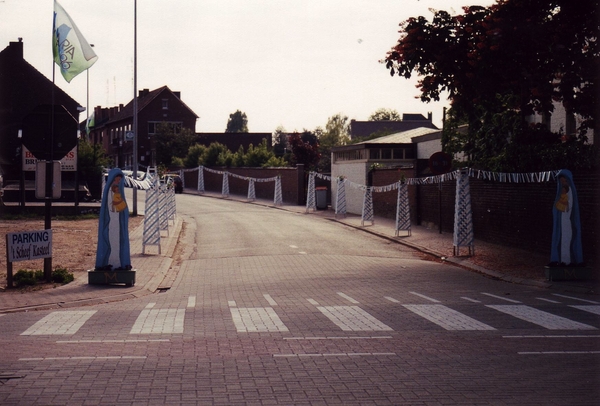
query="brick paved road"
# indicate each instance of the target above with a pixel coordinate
(270, 307)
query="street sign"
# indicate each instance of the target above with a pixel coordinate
(44, 141)
(129, 136)
(440, 163)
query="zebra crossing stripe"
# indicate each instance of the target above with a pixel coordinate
(541, 318)
(447, 318)
(60, 323)
(588, 308)
(352, 318)
(159, 321)
(256, 320)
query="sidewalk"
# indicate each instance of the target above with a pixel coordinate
(154, 272)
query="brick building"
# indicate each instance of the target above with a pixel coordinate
(113, 126)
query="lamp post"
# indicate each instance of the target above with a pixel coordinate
(135, 108)
(22, 179)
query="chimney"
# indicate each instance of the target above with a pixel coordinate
(16, 49)
(144, 92)
(430, 116)
(177, 94)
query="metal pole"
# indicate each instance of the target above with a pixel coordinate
(135, 107)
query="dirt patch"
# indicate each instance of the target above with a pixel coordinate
(73, 245)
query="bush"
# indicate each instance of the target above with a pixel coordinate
(61, 275)
(24, 278)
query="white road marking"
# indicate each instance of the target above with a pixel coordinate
(557, 352)
(313, 302)
(352, 318)
(271, 301)
(338, 338)
(471, 300)
(546, 300)
(555, 336)
(293, 246)
(158, 340)
(425, 297)
(61, 322)
(339, 354)
(588, 308)
(150, 305)
(391, 299)
(348, 298)
(576, 298)
(191, 302)
(231, 303)
(500, 297)
(256, 320)
(84, 358)
(159, 321)
(302, 252)
(447, 318)
(541, 318)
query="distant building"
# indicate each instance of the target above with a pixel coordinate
(23, 89)
(405, 149)
(113, 126)
(364, 129)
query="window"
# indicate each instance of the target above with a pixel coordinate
(165, 104)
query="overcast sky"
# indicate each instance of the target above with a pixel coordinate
(290, 63)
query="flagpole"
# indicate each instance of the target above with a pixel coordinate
(50, 175)
(135, 107)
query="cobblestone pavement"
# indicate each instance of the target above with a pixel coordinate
(351, 322)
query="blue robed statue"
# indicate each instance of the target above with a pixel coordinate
(113, 228)
(566, 232)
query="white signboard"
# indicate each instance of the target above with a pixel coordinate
(67, 164)
(29, 245)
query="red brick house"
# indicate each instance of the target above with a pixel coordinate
(113, 126)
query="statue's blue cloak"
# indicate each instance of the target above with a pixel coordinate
(103, 250)
(576, 247)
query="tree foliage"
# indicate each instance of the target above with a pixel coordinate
(237, 123)
(304, 152)
(337, 132)
(501, 64)
(217, 154)
(92, 160)
(172, 141)
(384, 114)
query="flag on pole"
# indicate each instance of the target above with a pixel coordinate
(71, 51)
(90, 122)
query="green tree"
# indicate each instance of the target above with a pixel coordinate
(195, 152)
(92, 160)
(172, 141)
(384, 114)
(303, 152)
(210, 157)
(337, 132)
(237, 123)
(279, 141)
(499, 65)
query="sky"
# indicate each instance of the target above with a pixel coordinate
(288, 63)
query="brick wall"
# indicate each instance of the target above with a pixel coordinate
(384, 203)
(292, 182)
(513, 214)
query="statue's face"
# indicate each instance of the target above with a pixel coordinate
(117, 179)
(563, 181)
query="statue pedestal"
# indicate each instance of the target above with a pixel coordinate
(111, 277)
(567, 273)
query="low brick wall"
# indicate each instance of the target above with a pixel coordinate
(512, 214)
(292, 182)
